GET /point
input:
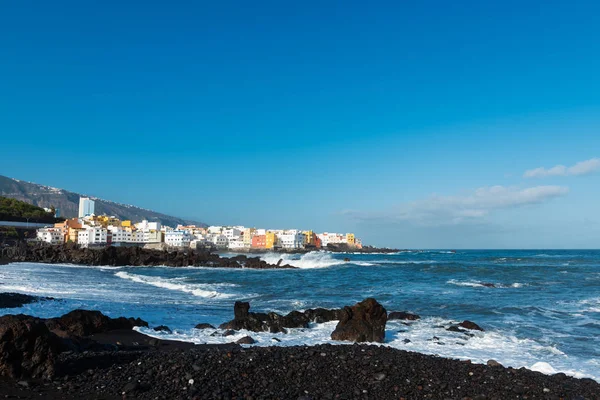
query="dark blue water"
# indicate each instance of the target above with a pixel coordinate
(536, 306)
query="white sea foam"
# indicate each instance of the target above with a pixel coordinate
(199, 290)
(485, 284)
(427, 336)
(315, 259)
(543, 367)
(32, 289)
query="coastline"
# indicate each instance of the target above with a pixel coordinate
(86, 355)
(147, 370)
(129, 256)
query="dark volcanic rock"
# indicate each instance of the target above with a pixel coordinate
(401, 315)
(470, 325)
(204, 326)
(27, 348)
(85, 323)
(320, 315)
(246, 340)
(363, 322)
(302, 372)
(122, 256)
(261, 322)
(162, 328)
(14, 300)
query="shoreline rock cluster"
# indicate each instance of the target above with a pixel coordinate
(130, 256)
(87, 355)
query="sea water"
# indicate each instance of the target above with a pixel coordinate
(543, 311)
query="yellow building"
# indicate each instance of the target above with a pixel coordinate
(270, 240)
(311, 239)
(105, 220)
(350, 239)
(248, 235)
(126, 224)
(73, 235)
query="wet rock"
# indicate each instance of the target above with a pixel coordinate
(455, 328)
(363, 322)
(493, 363)
(162, 328)
(14, 300)
(121, 256)
(320, 315)
(85, 323)
(401, 315)
(246, 340)
(204, 326)
(264, 322)
(470, 325)
(27, 348)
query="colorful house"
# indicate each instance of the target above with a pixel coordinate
(270, 240)
(259, 241)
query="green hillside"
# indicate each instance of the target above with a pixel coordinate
(16, 210)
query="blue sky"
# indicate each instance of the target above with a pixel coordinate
(411, 124)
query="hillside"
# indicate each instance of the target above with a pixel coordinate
(68, 202)
(20, 211)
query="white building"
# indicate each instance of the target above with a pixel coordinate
(86, 207)
(236, 244)
(291, 240)
(333, 238)
(120, 235)
(137, 236)
(220, 241)
(178, 238)
(50, 235)
(215, 229)
(91, 236)
(231, 233)
(148, 226)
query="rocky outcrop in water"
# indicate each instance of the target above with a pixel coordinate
(401, 315)
(136, 256)
(273, 322)
(363, 322)
(14, 300)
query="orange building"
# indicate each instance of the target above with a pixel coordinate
(311, 239)
(69, 228)
(259, 241)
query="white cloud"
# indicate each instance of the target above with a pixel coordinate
(581, 168)
(468, 208)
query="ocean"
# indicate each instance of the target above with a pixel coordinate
(540, 308)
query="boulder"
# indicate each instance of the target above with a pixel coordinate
(204, 326)
(85, 323)
(14, 300)
(401, 315)
(162, 328)
(470, 325)
(320, 315)
(27, 348)
(261, 322)
(363, 322)
(246, 340)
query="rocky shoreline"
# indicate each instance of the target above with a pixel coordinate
(86, 355)
(129, 256)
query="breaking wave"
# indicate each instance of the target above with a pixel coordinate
(315, 259)
(485, 284)
(173, 284)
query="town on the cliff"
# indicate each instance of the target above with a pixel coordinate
(91, 230)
